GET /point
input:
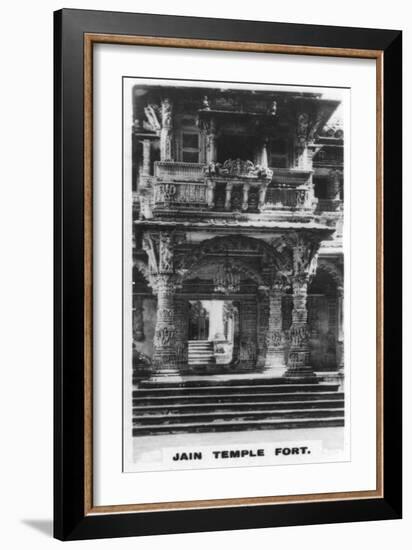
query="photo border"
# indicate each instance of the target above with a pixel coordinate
(76, 31)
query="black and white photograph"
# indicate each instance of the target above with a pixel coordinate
(234, 275)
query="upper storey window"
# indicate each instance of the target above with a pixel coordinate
(278, 154)
(190, 146)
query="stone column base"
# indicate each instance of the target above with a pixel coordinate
(275, 362)
(298, 366)
(303, 373)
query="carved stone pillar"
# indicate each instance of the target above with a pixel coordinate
(333, 189)
(306, 129)
(146, 157)
(299, 351)
(211, 152)
(159, 248)
(210, 193)
(264, 156)
(263, 324)
(228, 199)
(166, 131)
(181, 328)
(275, 341)
(138, 327)
(164, 356)
(245, 201)
(262, 195)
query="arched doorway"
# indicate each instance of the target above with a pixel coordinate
(323, 320)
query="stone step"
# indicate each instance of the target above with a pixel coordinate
(193, 347)
(239, 425)
(237, 407)
(219, 380)
(232, 398)
(230, 390)
(201, 345)
(236, 415)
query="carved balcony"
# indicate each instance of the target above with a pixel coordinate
(171, 171)
(289, 199)
(225, 189)
(180, 194)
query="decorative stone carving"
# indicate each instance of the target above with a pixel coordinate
(301, 198)
(275, 338)
(148, 245)
(164, 336)
(180, 194)
(166, 113)
(238, 169)
(165, 253)
(302, 130)
(152, 122)
(277, 257)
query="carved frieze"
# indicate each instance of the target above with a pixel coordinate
(164, 336)
(238, 168)
(180, 193)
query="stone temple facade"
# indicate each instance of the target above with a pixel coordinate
(237, 234)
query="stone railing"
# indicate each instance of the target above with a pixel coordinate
(278, 198)
(180, 194)
(178, 171)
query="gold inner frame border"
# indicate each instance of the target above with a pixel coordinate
(89, 40)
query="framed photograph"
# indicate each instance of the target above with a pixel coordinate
(227, 274)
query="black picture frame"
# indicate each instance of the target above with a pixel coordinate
(71, 522)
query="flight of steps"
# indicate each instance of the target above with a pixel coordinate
(200, 352)
(225, 405)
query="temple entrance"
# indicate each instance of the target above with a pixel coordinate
(213, 333)
(198, 321)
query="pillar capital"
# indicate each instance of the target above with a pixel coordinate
(279, 285)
